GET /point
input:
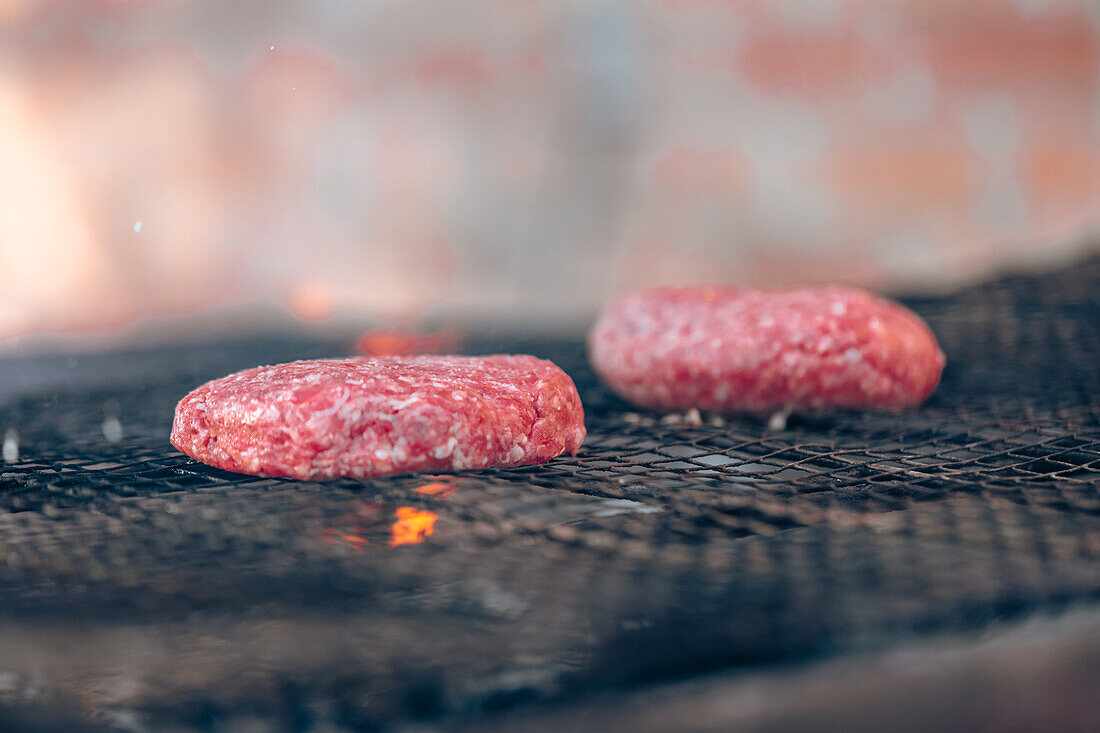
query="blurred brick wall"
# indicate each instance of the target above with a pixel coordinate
(529, 156)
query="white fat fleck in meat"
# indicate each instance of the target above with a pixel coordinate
(445, 450)
(402, 404)
(340, 402)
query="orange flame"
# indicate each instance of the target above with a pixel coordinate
(412, 526)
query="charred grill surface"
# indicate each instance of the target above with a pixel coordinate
(142, 588)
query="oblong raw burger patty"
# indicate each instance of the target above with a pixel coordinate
(738, 350)
(367, 417)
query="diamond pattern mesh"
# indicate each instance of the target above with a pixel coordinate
(671, 545)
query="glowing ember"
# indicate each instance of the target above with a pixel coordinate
(383, 342)
(412, 526)
(363, 524)
(402, 343)
(360, 519)
(437, 489)
(347, 539)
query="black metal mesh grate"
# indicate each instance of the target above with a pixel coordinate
(667, 547)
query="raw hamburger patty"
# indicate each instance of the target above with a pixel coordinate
(368, 417)
(734, 350)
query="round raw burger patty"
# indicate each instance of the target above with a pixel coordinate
(367, 417)
(739, 350)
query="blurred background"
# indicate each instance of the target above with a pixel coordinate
(394, 160)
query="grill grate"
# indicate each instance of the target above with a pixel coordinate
(664, 549)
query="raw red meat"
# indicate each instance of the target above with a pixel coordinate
(368, 417)
(737, 350)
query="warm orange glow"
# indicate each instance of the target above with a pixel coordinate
(311, 300)
(51, 265)
(412, 526)
(383, 343)
(187, 169)
(14, 10)
(363, 523)
(709, 295)
(401, 343)
(337, 537)
(437, 489)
